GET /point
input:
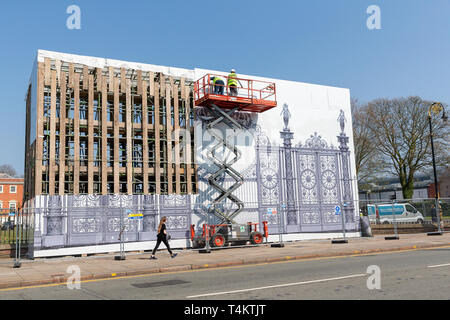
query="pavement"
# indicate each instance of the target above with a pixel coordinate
(58, 270)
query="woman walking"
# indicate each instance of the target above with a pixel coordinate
(162, 237)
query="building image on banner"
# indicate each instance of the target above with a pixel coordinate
(107, 140)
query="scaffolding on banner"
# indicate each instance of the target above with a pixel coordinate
(222, 101)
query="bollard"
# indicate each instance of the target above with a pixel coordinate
(395, 237)
(338, 211)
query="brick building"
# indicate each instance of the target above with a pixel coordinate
(11, 192)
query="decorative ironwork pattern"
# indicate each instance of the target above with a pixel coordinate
(86, 225)
(54, 226)
(331, 217)
(118, 201)
(269, 176)
(250, 172)
(177, 222)
(113, 225)
(308, 179)
(174, 200)
(149, 223)
(93, 200)
(328, 168)
(311, 218)
(316, 142)
(79, 201)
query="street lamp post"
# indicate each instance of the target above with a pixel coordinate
(436, 108)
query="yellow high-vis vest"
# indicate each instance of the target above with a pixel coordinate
(232, 81)
(216, 79)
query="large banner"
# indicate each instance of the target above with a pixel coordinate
(296, 164)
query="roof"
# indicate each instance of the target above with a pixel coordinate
(7, 179)
(5, 176)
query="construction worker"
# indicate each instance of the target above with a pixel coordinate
(233, 82)
(219, 84)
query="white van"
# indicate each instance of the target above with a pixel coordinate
(384, 213)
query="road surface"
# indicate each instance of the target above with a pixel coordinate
(415, 274)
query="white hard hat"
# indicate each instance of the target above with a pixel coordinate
(232, 70)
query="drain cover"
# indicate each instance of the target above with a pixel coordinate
(159, 284)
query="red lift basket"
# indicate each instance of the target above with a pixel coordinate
(252, 95)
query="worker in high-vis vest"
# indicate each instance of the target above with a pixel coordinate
(218, 84)
(233, 82)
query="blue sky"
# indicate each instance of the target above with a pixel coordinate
(322, 41)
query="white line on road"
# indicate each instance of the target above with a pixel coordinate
(277, 286)
(440, 265)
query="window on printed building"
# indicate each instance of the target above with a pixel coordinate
(1, 205)
(12, 205)
(12, 189)
(1, 189)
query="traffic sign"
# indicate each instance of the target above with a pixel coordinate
(337, 210)
(135, 216)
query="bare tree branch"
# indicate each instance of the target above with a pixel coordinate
(398, 138)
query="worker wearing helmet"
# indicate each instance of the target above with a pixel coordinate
(233, 82)
(218, 84)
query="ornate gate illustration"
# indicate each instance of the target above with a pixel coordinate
(317, 186)
(299, 187)
(268, 173)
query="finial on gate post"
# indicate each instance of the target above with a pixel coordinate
(286, 116)
(342, 120)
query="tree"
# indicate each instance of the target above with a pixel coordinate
(400, 132)
(366, 158)
(8, 169)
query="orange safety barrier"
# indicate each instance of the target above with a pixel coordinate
(266, 229)
(192, 232)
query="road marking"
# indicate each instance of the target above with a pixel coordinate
(277, 286)
(440, 265)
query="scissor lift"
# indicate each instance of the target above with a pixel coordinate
(221, 102)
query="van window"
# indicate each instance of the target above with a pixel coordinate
(371, 210)
(410, 208)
